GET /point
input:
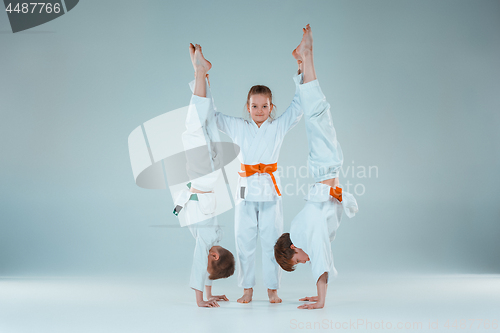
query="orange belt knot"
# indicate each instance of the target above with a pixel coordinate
(249, 170)
(336, 193)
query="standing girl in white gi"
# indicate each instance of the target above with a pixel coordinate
(258, 197)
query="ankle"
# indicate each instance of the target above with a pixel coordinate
(307, 53)
(200, 72)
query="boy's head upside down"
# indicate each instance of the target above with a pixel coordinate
(287, 255)
(220, 263)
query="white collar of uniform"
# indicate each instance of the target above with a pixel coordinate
(264, 124)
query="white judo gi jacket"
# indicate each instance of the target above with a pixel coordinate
(260, 145)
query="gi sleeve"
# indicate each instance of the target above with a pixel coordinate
(227, 124)
(322, 258)
(294, 112)
(200, 262)
(206, 234)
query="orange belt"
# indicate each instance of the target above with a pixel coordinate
(336, 193)
(248, 170)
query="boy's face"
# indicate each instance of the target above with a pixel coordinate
(213, 255)
(300, 257)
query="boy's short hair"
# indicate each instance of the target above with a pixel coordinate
(283, 253)
(224, 267)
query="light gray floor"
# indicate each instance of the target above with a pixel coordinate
(154, 305)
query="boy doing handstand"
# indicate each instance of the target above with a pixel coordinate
(314, 227)
(197, 202)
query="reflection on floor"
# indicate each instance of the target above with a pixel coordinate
(464, 303)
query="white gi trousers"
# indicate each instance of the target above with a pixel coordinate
(254, 218)
(325, 154)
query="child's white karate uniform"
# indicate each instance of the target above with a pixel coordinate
(258, 206)
(201, 131)
(314, 227)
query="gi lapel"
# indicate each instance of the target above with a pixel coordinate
(258, 146)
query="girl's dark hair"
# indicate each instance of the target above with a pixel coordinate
(261, 90)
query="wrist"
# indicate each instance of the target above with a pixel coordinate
(320, 305)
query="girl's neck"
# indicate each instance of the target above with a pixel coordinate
(260, 123)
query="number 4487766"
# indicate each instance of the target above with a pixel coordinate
(25, 7)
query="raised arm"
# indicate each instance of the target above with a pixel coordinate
(294, 112)
(227, 124)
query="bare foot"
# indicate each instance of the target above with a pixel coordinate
(273, 296)
(191, 53)
(299, 61)
(305, 46)
(200, 64)
(247, 296)
(296, 56)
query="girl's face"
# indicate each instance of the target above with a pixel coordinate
(259, 108)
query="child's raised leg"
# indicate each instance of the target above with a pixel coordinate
(201, 68)
(325, 154)
(304, 54)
